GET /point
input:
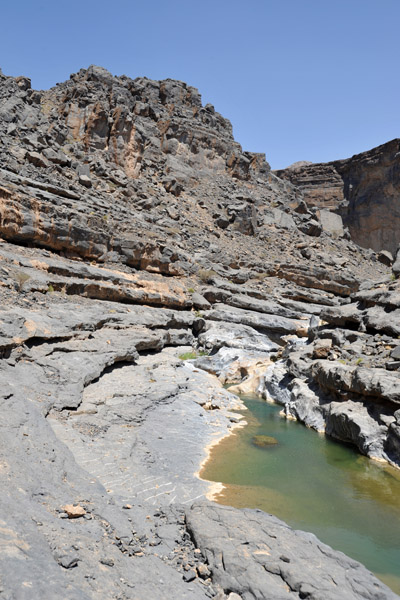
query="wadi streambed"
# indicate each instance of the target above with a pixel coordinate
(313, 483)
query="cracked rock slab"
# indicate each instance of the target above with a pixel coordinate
(259, 557)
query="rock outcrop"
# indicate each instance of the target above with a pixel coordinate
(245, 557)
(135, 232)
(364, 190)
(346, 379)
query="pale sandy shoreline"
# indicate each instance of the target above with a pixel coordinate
(216, 487)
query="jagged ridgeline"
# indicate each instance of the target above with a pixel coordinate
(137, 234)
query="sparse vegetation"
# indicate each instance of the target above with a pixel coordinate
(21, 278)
(188, 355)
(206, 275)
(50, 289)
(193, 354)
(260, 276)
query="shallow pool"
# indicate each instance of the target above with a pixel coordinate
(313, 483)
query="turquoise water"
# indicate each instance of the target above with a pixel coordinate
(313, 483)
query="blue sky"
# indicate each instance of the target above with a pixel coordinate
(299, 79)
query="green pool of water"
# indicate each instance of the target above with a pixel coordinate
(315, 484)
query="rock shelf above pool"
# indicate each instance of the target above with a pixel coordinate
(134, 229)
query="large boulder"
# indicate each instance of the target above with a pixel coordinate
(259, 557)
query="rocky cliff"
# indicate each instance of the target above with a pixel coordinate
(134, 230)
(364, 190)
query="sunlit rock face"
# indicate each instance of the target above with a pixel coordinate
(364, 189)
(136, 235)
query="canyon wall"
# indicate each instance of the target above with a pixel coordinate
(135, 233)
(364, 190)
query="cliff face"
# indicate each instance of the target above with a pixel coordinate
(133, 229)
(143, 124)
(364, 189)
(112, 147)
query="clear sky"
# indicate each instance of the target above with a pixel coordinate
(310, 80)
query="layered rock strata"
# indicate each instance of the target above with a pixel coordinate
(364, 190)
(135, 231)
(346, 379)
(103, 427)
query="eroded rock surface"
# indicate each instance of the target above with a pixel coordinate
(364, 190)
(346, 379)
(246, 557)
(134, 231)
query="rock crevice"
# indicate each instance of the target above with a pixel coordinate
(136, 233)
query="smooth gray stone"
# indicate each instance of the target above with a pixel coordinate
(259, 321)
(220, 362)
(219, 334)
(259, 557)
